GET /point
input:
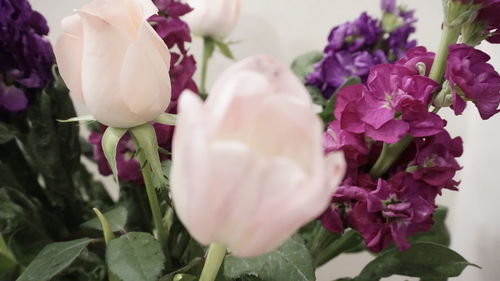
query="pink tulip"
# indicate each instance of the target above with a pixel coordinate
(216, 18)
(113, 60)
(248, 165)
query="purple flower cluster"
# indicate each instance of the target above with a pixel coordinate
(487, 18)
(473, 79)
(175, 33)
(354, 47)
(393, 104)
(25, 54)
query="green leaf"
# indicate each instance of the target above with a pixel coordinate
(117, 218)
(7, 259)
(424, 260)
(290, 262)
(135, 256)
(54, 152)
(53, 259)
(304, 64)
(327, 114)
(316, 95)
(224, 49)
(110, 140)
(439, 232)
(6, 133)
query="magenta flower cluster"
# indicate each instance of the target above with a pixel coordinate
(391, 106)
(175, 33)
(488, 17)
(26, 56)
(472, 78)
(354, 47)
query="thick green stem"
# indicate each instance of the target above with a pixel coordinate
(320, 239)
(208, 49)
(390, 153)
(215, 257)
(448, 37)
(348, 241)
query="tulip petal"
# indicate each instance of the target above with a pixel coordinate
(280, 79)
(188, 155)
(68, 51)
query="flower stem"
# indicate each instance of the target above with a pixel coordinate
(208, 50)
(346, 242)
(448, 37)
(153, 199)
(215, 257)
(390, 153)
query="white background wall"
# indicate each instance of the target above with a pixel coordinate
(288, 28)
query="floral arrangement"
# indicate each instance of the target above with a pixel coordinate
(266, 175)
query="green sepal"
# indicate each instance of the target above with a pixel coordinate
(147, 145)
(110, 141)
(224, 49)
(167, 119)
(85, 118)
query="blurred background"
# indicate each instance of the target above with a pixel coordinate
(286, 29)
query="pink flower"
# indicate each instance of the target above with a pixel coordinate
(113, 60)
(393, 104)
(472, 78)
(415, 56)
(255, 144)
(436, 160)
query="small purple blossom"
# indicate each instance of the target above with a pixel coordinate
(337, 67)
(435, 161)
(415, 56)
(385, 212)
(355, 47)
(393, 104)
(472, 78)
(354, 36)
(25, 53)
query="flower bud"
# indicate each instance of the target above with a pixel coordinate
(113, 60)
(214, 18)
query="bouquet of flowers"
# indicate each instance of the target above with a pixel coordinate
(265, 176)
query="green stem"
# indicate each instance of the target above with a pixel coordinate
(390, 153)
(208, 49)
(321, 237)
(448, 37)
(348, 241)
(153, 199)
(215, 257)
